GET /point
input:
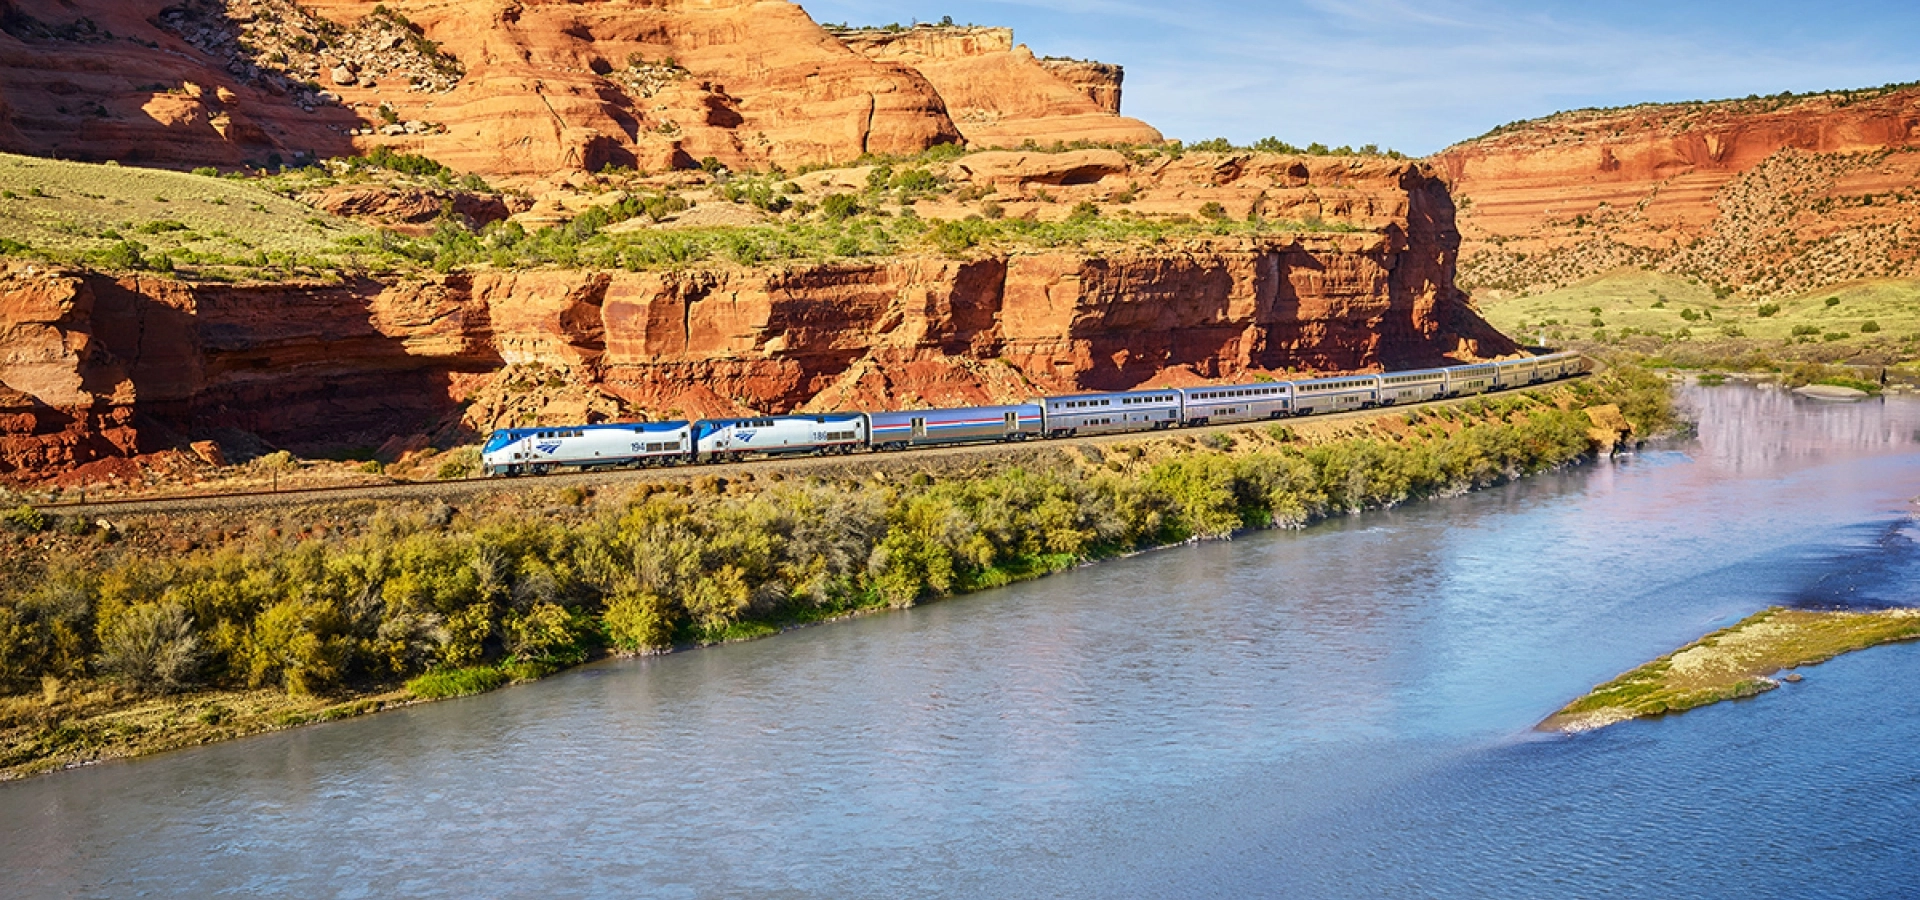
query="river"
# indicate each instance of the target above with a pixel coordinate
(1342, 711)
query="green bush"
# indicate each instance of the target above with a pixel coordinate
(1769, 310)
(839, 207)
(442, 684)
(26, 519)
(1869, 327)
(463, 462)
(454, 604)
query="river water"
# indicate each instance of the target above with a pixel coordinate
(1343, 711)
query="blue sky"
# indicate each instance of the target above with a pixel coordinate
(1418, 76)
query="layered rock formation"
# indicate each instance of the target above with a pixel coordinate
(510, 87)
(100, 367)
(1768, 194)
(999, 95)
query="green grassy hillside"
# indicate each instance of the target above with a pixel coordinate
(1870, 320)
(122, 218)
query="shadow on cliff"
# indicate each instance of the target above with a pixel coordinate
(309, 368)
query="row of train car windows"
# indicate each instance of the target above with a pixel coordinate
(1130, 401)
(1409, 379)
(840, 436)
(544, 435)
(660, 447)
(1246, 392)
(1337, 386)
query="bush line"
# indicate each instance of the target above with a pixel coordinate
(458, 604)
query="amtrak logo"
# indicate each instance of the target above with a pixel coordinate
(746, 437)
(549, 448)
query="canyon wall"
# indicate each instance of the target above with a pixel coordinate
(1764, 194)
(519, 87)
(101, 368)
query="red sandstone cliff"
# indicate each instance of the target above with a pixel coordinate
(515, 86)
(100, 367)
(1772, 194)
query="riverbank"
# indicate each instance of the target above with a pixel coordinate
(183, 629)
(1733, 663)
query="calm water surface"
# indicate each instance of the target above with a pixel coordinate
(1340, 712)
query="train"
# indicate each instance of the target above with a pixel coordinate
(537, 451)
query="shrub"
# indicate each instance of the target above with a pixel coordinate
(463, 462)
(1213, 211)
(277, 461)
(992, 210)
(1769, 310)
(1832, 302)
(1690, 315)
(1805, 330)
(1869, 327)
(839, 207)
(638, 621)
(153, 646)
(27, 519)
(297, 643)
(207, 172)
(446, 683)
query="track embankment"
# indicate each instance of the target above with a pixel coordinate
(937, 461)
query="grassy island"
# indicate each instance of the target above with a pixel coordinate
(1734, 662)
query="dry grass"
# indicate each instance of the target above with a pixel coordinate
(1734, 662)
(71, 725)
(66, 211)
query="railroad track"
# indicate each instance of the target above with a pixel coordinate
(467, 488)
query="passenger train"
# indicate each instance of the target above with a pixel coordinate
(516, 451)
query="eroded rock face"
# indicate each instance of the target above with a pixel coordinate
(999, 95)
(390, 205)
(100, 368)
(520, 87)
(1772, 194)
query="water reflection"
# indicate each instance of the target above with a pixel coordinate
(1335, 712)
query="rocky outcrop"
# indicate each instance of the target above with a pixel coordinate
(1099, 81)
(65, 403)
(999, 95)
(1767, 194)
(525, 87)
(401, 205)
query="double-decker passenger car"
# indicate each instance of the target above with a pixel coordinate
(1236, 403)
(1413, 387)
(1335, 394)
(512, 451)
(1559, 365)
(718, 439)
(923, 427)
(1463, 381)
(1120, 411)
